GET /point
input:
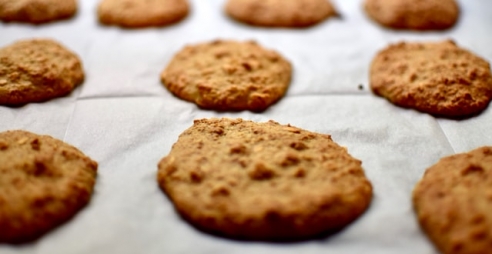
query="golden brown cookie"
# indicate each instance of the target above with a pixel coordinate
(453, 202)
(438, 78)
(280, 13)
(36, 11)
(228, 75)
(413, 14)
(43, 183)
(142, 13)
(37, 70)
(262, 181)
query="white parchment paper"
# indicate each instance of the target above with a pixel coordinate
(126, 120)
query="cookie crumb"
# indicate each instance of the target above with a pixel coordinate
(261, 172)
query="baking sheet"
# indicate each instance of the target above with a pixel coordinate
(126, 120)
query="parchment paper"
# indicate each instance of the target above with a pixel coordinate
(126, 120)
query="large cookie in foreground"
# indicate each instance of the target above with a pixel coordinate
(37, 70)
(36, 11)
(438, 78)
(262, 181)
(453, 202)
(43, 183)
(413, 15)
(280, 13)
(140, 13)
(228, 75)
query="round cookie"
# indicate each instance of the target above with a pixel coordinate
(262, 181)
(36, 11)
(139, 13)
(453, 202)
(43, 183)
(413, 15)
(228, 75)
(280, 13)
(437, 78)
(37, 70)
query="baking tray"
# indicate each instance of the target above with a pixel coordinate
(126, 120)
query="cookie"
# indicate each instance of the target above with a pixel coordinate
(228, 75)
(413, 15)
(280, 13)
(37, 70)
(438, 78)
(43, 183)
(453, 202)
(36, 11)
(262, 181)
(140, 14)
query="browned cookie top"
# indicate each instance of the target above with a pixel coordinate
(413, 14)
(280, 13)
(228, 75)
(262, 180)
(437, 78)
(142, 13)
(36, 11)
(453, 202)
(43, 182)
(37, 70)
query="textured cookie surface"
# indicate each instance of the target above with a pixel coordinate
(413, 14)
(37, 70)
(43, 182)
(36, 11)
(437, 78)
(262, 181)
(228, 75)
(280, 13)
(453, 202)
(142, 13)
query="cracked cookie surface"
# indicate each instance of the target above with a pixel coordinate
(37, 70)
(43, 183)
(280, 13)
(453, 202)
(262, 181)
(228, 75)
(438, 78)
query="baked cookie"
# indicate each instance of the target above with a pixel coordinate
(37, 70)
(413, 14)
(262, 181)
(437, 78)
(228, 75)
(280, 13)
(140, 13)
(36, 11)
(453, 202)
(43, 183)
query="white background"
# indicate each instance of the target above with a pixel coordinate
(126, 120)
